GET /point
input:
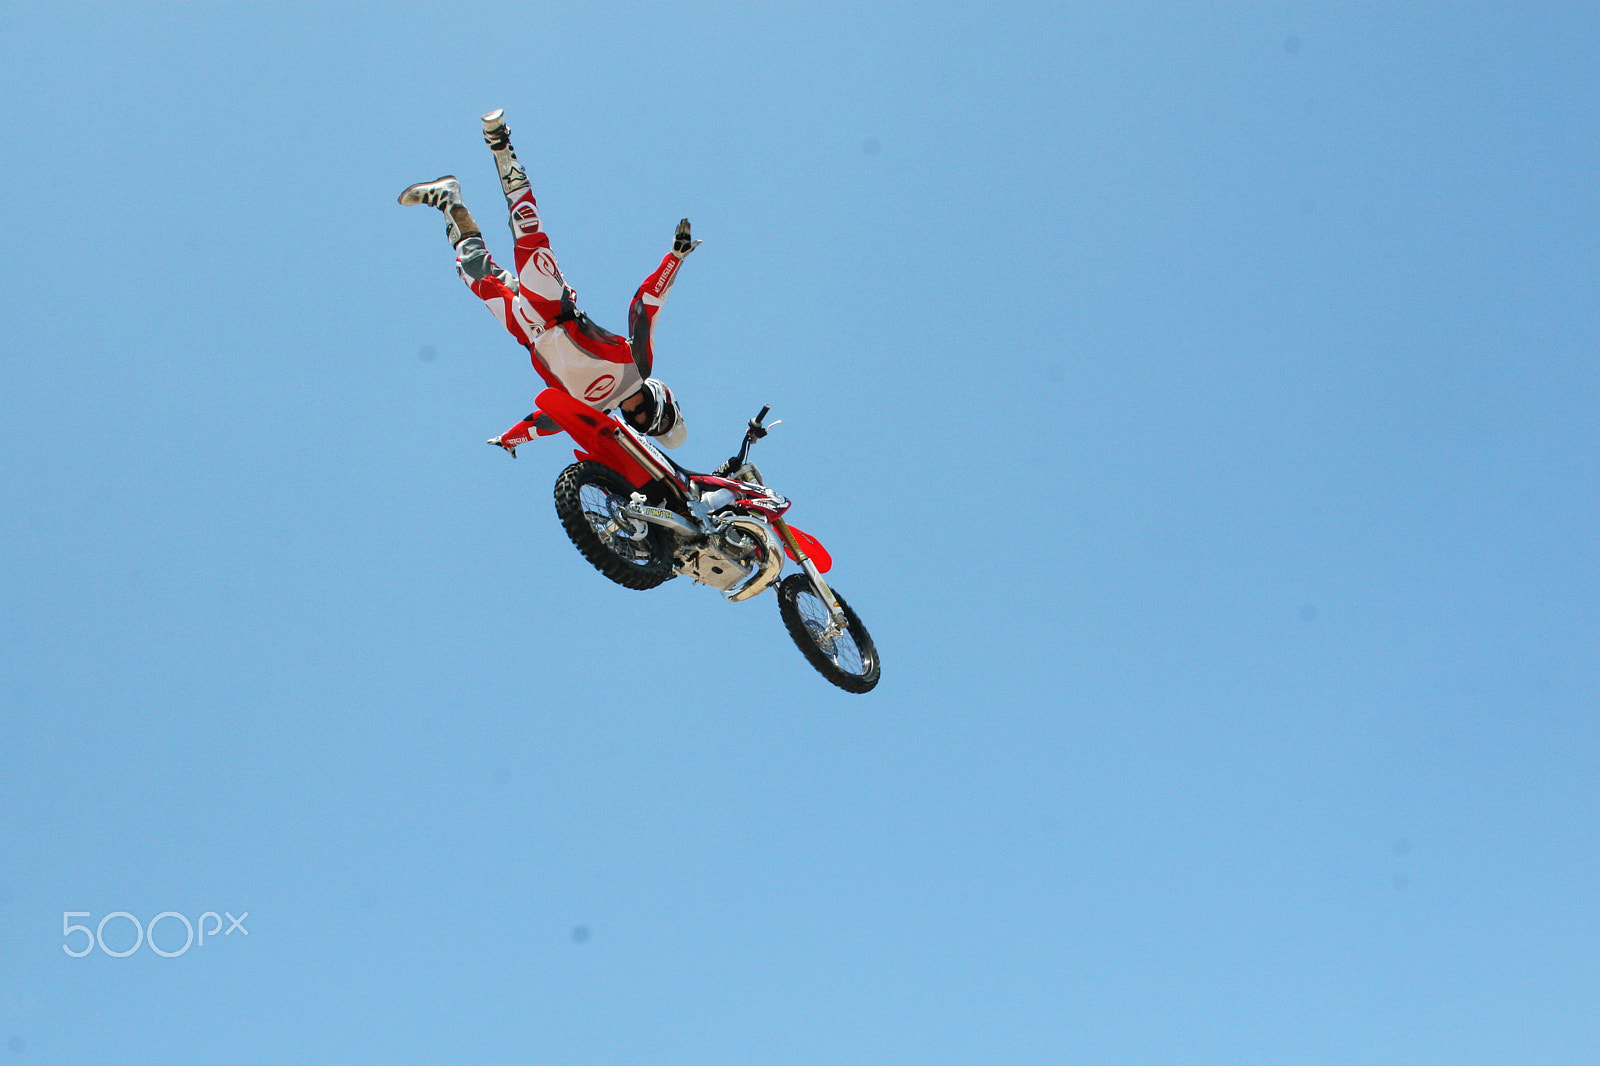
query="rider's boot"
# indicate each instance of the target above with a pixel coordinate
(445, 194)
(497, 135)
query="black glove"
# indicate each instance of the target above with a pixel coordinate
(681, 244)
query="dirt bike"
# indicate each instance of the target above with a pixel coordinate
(642, 520)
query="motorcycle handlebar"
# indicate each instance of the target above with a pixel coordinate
(751, 435)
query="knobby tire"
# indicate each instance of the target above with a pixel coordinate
(799, 604)
(648, 563)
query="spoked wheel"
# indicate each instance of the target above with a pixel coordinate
(634, 554)
(842, 654)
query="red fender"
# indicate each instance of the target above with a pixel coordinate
(812, 547)
(595, 433)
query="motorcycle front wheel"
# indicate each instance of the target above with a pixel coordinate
(589, 497)
(845, 656)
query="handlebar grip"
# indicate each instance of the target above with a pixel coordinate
(764, 409)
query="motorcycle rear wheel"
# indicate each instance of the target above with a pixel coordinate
(848, 658)
(588, 497)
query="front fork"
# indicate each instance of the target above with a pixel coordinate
(838, 625)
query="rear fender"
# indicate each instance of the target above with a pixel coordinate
(595, 433)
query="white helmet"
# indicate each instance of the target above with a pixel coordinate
(658, 415)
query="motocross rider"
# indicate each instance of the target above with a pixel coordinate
(539, 309)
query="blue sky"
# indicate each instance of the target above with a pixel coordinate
(1198, 403)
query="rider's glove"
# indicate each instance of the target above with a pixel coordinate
(681, 244)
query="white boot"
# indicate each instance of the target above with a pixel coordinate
(445, 194)
(440, 193)
(497, 135)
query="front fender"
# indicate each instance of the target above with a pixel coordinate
(811, 546)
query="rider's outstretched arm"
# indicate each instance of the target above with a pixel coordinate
(652, 294)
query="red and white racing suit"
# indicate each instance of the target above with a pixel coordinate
(538, 308)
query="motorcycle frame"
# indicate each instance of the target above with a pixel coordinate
(613, 443)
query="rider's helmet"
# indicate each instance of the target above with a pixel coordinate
(657, 414)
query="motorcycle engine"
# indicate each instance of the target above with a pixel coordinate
(726, 561)
(723, 561)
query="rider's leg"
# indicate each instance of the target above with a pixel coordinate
(495, 286)
(506, 300)
(498, 289)
(535, 264)
(497, 135)
(445, 194)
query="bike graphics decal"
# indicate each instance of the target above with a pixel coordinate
(654, 451)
